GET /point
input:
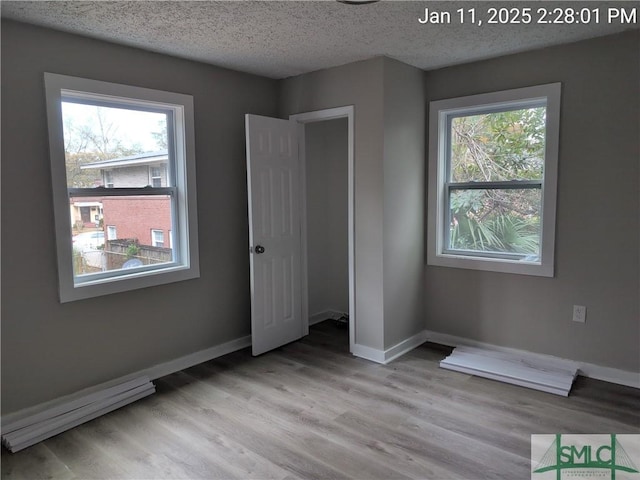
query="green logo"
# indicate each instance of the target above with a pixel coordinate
(584, 456)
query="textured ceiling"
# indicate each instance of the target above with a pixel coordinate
(280, 39)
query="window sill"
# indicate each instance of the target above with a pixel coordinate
(519, 267)
(133, 281)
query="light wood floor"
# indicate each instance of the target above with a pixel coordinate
(311, 410)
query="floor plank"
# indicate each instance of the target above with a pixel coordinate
(311, 410)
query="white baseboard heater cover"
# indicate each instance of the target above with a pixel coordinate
(539, 374)
(35, 428)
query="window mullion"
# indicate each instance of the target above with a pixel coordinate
(120, 191)
(502, 185)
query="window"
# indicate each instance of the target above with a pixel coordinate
(492, 180)
(156, 176)
(157, 238)
(108, 178)
(106, 140)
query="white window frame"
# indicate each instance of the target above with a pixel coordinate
(185, 264)
(440, 112)
(155, 177)
(108, 179)
(112, 232)
(154, 242)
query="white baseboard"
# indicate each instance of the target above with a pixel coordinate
(608, 374)
(368, 353)
(152, 373)
(405, 346)
(390, 354)
(196, 358)
(590, 370)
(325, 315)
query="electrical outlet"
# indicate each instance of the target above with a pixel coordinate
(579, 313)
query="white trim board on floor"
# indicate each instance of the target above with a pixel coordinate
(590, 370)
(152, 373)
(542, 375)
(46, 424)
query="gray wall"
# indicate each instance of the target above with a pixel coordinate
(597, 244)
(51, 349)
(389, 188)
(404, 206)
(359, 84)
(327, 215)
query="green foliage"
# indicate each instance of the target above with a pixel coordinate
(500, 233)
(492, 148)
(498, 146)
(76, 176)
(133, 250)
(465, 200)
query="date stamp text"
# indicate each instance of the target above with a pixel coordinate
(531, 15)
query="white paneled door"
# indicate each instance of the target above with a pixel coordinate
(273, 180)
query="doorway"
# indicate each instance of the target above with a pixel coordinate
(326, 141)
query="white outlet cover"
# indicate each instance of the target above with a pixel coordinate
(579, 313)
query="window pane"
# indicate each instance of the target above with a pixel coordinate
(124, 232)
(498, 146)
(113, 147)
(498, 221)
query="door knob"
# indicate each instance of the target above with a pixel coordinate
(259, 249)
